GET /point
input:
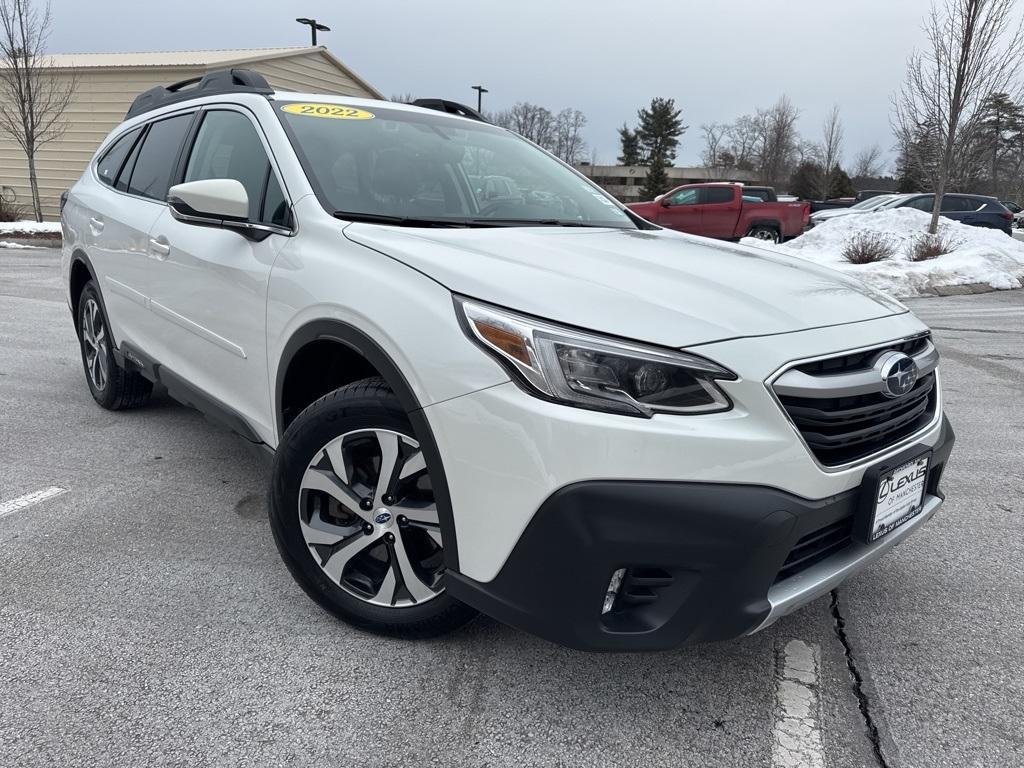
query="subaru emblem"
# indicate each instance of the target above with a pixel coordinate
(382, 518)
(898, 373)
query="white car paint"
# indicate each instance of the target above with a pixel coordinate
(221, 309)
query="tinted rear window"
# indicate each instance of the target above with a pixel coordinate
(159, 153)
(715, 195)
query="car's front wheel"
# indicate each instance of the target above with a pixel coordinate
(354, 515)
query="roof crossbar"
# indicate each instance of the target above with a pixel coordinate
(451, 107)
(215, 82)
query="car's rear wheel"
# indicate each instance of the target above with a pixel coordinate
(112, 386)
(766, 233)
(355, 518)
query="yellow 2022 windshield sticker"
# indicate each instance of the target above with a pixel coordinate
(331, 111)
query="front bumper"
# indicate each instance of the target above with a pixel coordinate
(702, 560)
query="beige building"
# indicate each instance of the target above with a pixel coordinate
(108, 82)
(625, 181)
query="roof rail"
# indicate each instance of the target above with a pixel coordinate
(217, 81)
(451, 107)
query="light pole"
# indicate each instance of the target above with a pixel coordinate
(480, 91)
(314, 26)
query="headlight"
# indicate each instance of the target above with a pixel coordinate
(591, 371)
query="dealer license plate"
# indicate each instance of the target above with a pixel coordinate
(899, 497)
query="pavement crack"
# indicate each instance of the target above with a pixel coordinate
(857, 679)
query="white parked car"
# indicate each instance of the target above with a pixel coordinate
(877, 203)
(544, 408)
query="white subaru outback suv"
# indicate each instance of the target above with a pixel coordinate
(515, 397)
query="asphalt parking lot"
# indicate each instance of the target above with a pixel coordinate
(146, 619)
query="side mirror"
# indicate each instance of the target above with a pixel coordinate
(213, 202)
(664, 201)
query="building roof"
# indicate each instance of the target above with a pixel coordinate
(224, 57)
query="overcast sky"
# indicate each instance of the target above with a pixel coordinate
(717, 58)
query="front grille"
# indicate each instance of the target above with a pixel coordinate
(839, 430)
(816, 546)
(838, 406)
(859, 360)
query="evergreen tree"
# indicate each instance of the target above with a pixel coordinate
(1002, 122)
(840, 184)
(659, 130)
(804, 181)
(630, 144)
(656, 182)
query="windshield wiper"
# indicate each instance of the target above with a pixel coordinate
(413, 221)
(538, 223)
(400, 221)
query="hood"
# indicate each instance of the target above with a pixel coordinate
(832, 213)
(655, 286)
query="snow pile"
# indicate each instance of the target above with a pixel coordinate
(981, 256)
(4, 244)
(30, 228)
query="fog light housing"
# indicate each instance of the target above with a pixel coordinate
(613, 590)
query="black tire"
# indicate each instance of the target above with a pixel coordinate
(765, 232)
(364, 405)
(112, 386)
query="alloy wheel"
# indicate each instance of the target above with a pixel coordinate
(767, 235)
(94, 337)
(368, 515)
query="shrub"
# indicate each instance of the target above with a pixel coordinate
(930, 246)
(9, 211)
(868, 247)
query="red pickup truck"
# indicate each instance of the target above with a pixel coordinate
(722, 211)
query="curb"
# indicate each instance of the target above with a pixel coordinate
(964, 289)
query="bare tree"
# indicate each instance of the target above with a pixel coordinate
(868, 162)
(742, 139)
(530, 121)
(830, 150)
(568, 137)
(403, 98)
(777, 139)
(38, 98)
(714, 147)
(973, 50)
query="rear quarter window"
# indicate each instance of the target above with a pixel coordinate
(109, 165)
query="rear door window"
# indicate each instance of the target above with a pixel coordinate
(160, 149)
(719, 195)
(956, 204)
(110, 164)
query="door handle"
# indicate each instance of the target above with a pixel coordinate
(159, 247)
(96, 225)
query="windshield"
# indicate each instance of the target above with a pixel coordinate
(872, 202)
(430, 169)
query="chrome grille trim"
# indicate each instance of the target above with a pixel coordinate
(796, 383)
(927, 355)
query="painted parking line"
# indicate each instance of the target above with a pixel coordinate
(796, 741)
(20, 503)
